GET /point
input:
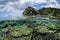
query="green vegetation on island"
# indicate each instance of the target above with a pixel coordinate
(52, 13)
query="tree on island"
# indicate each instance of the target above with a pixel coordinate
(29, 11)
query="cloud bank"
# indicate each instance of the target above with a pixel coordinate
(16, 7)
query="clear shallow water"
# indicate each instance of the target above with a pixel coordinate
(35, 23)
(25, 19)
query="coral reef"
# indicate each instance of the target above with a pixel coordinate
(30, 29)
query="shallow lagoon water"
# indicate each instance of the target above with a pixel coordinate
(28, 27)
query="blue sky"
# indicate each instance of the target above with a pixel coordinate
(15, 8)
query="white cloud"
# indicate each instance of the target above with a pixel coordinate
(22, 4)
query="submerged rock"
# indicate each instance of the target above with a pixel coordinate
(42, 29)
(51, 25)
(5, 30)
(44, 36)
(19, 31)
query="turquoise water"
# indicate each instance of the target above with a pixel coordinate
(27, 21)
